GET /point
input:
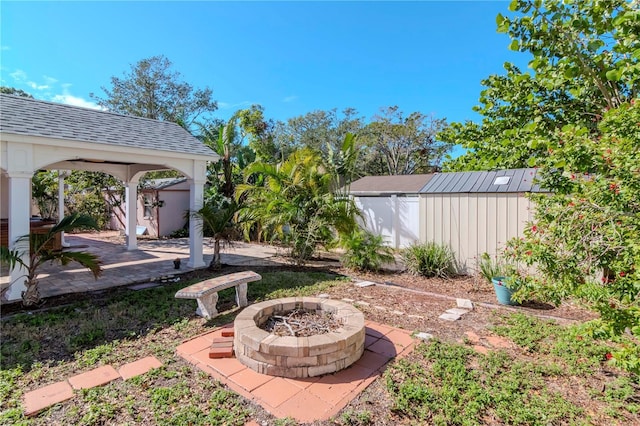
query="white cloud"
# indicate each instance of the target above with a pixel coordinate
(290, 98)
(5, 48)
(36, 86)
(69, 99)
(19, 76)
(227, 105)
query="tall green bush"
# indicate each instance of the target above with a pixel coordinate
(584, 240)
(91, 204)
(294, 202)
(430, 259)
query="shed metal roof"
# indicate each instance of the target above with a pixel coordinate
(32, 117)
(386, 185)
(520, 180)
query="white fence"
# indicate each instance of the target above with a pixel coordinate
(396, 218)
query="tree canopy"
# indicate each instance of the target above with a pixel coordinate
(151, 89)
(13, 91)
(399, 145)
(584, 60)
(575, 115)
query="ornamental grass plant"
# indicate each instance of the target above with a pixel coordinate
(430, 260)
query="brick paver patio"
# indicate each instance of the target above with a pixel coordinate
(153, 259)
(309, 399)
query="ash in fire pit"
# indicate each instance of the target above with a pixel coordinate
(302, 323)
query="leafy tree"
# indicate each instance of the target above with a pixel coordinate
(42, 252)
(152, 90)
(584, 60)
(585, 237)
(574, 117)
(294, 202)
(320, 130)
(399, 145)
(95, 194)
(261, 135)
(44, 191)
(14, 91)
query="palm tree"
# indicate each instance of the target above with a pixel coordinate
(218, 224)
(294, 202)
(342, 163)
(224, 141)
(42, 252)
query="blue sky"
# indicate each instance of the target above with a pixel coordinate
(290, 57)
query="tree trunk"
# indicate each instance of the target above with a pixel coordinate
(215, 261)
(31, 296)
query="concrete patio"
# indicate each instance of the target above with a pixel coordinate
(153, 259)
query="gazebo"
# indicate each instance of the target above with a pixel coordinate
(38, 135)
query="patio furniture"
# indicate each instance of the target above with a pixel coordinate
(206, 292)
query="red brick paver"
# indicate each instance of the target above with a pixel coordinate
(39, 399)
(93, 378)
(498, 342)
(481, 349)
(139, 367)
(472, 336)
(304, 407)
(223, 352)
(249, 379)
(308, 399)
(193, 346)
(276, 391)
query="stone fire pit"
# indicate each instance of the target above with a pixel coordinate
(298, 357)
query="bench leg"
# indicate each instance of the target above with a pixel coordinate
(241, 295)
(207, 305)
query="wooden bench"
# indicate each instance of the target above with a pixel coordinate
(206, 292)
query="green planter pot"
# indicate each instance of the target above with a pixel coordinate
(502, 292)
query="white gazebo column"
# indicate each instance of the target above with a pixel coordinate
(19, 215)
(196, 200)
(131, 195)
(61, 175)
(196, 193)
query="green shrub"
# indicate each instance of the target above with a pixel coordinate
(430, 259)
(92, 204)
(365, 251)
(490, 268)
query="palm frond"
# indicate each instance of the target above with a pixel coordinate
(86, 259)
(11, 257)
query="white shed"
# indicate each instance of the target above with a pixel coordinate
(390, 206)
(476, 212)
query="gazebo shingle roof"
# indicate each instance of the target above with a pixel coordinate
(25, 116)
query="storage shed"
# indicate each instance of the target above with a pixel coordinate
(162, 205)
(476, 212)
(390, 206)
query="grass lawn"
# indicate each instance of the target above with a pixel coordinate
(557, 375)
